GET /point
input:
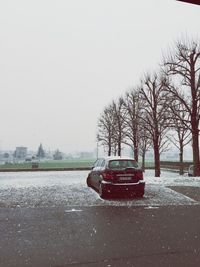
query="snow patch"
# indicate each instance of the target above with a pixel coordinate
(52, 189)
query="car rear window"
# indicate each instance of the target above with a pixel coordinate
(116, 164)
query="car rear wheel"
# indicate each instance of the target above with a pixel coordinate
(88, 181)
(140, 193)
(102, 191)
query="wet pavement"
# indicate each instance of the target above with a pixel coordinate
(54, 220)
(103, 236)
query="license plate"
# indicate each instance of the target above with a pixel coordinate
(125, 178)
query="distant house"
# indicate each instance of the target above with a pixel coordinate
(20, 152)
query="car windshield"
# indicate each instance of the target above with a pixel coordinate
(115, 164)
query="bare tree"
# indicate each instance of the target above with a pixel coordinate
(144, 144)
(184, 63)
(119, 124)
(181, 136)
(106, 128)
(131, 119)
(155, 114)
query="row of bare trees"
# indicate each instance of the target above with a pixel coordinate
(164, 109)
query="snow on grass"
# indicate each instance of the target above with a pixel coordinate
(171, 179)
(41, 179)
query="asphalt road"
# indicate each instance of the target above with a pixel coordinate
(54, 220)
(109, 236)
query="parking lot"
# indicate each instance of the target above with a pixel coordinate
(50, 189)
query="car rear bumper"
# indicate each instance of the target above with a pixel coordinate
(124, 187)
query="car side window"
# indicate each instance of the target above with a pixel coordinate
(103, 163)
(96, 163)
(99, 162)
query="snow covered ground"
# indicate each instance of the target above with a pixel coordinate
(41, 189)
(170, 178)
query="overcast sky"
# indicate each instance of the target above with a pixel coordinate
(63, 61)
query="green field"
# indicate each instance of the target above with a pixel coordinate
(78, 163)
(74, 163)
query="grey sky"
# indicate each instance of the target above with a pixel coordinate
(62, 61)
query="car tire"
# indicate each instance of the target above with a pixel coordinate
(102, 191)
(88, 181)
(140, 194)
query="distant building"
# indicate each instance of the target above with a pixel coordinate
(20, 152)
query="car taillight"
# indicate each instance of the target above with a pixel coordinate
(139, 175)
(107, 175)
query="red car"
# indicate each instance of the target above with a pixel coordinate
(116, 175)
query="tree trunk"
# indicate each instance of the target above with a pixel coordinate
(143, 161)
(157, 159)
(181, 170)
(195, 145)
(136, 150)
(109, 152)
(194, 121)
(119, 149)
(109, 149)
